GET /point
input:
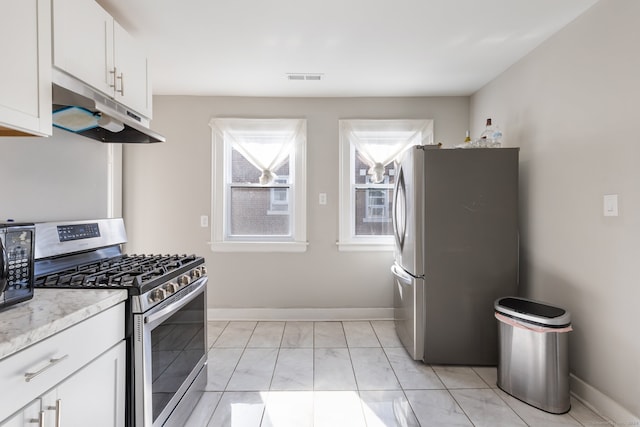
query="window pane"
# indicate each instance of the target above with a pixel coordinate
(244, 172)
(361, 168)
(373, 211)
(259, 211)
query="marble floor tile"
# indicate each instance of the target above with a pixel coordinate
(584, 415)
(294, 369)
(204, 409)
(436, 408)
(235, 335)
(486, 409)
(412, 374)
(360, 334)
(333, 370)
(214, 329)
(386, 332)
(489, 374)
(387, 409)
(221, 362)
(254, 370)
(337, 409)
(372, 369)
(328, 335)
(298, 334)
(289, 409)
(459, 377)
(319, 374)
(267, 335)
(239, 409)
(535, 417)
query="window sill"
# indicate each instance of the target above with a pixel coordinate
(365, 247)
(259, 246)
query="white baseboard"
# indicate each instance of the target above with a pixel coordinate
(601, 403)
(292, 314)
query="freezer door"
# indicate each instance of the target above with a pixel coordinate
(407, 211)
(408, 311)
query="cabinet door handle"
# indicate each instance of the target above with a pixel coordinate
(121, 78)
(28, 376)
(114, 71)
(39, 420)
(58, 409)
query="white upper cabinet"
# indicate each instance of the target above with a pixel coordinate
(25, 73)
(91, 46)
(133, 86)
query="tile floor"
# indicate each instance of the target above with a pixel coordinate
(349, 374)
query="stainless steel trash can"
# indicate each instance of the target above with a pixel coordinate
(533, 363)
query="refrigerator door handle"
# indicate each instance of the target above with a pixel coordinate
(402, 275)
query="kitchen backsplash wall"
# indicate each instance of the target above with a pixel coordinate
(58, 178)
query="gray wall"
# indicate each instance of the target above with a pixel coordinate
(572, 107)
(63, 177)
(168, 187)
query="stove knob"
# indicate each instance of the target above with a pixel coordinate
(171, 288)
(157, 295)
(196, 273)
(203, 270)
(184, 280)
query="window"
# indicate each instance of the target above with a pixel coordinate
(259, 185)
(368, 149)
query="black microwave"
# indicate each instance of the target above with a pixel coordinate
(16, 262)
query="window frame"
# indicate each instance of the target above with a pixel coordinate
(221, 184)
(348, 240)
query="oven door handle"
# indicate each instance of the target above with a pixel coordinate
(194, 291)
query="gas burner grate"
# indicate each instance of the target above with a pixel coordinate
(125, 271)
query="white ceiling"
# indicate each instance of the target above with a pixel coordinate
(361, 47)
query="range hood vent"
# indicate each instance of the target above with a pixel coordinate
(304, 76)
(84, 111)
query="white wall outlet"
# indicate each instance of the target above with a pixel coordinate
(322, 198)
(610, 203)
(204, 221)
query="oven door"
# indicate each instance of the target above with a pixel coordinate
(169, 353)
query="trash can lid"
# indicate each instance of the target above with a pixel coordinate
(533, 311)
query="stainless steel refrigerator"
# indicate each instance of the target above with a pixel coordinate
(455, 217)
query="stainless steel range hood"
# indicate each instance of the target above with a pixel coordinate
(98, 116)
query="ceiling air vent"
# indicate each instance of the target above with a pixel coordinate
(304, 76)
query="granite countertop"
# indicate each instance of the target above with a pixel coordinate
(50, 311)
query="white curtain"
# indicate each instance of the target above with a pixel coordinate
(265, 143)
(380, 141)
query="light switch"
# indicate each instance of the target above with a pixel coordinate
(322, 198)
(610, 203)
(204, 221)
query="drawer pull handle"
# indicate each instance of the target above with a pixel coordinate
(52, 362)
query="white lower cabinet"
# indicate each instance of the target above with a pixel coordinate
(74, 378)
(94, 396)
(32, 415)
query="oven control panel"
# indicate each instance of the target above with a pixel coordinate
(78, 231)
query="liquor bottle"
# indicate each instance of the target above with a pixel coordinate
(487, 134)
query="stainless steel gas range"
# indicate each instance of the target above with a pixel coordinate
(166, 311)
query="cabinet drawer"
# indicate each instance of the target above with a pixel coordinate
(36, 369)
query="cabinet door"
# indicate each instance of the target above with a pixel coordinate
(83, 42)
(132, 82)
(28, 416)
(25, 74)
(95, 395)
